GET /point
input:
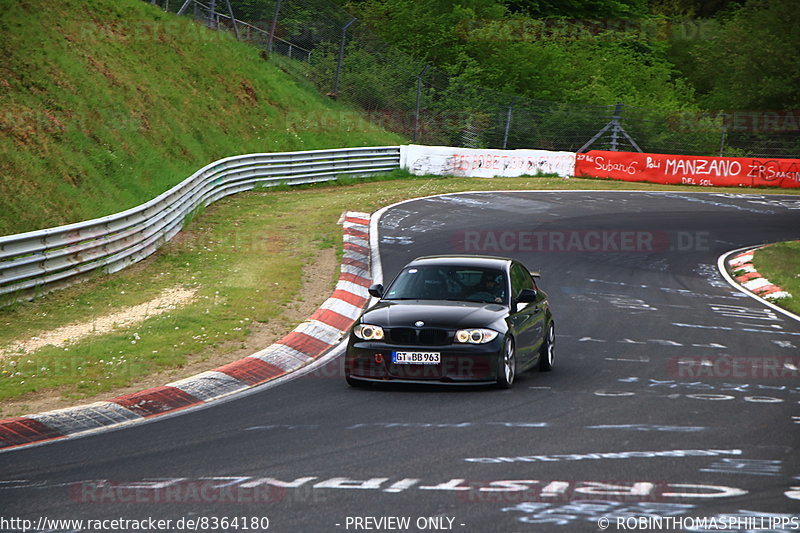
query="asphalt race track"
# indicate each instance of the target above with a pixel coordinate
(673, 396)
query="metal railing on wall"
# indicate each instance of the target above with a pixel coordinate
(39, 261)
(244, 31)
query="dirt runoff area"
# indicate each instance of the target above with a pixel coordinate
(317, 287)
(168, 300)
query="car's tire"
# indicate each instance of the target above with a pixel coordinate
(547, 353)
(507, 365)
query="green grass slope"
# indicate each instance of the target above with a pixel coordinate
(104, 104)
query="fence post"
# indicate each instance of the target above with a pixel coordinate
(722, 139)
(341, 57)
(615, 129)
(212, 14)
(233, 20)
(508, 122)
(273, 26)
(419, 97)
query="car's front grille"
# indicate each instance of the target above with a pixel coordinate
(419, 337)
(403, 336)
(433, 337)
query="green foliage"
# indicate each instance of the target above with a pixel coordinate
(254, 10)
(589, 58)
(578, 8)
(692, 8)
(748, 60)
(104, 104)
(427, 29)
(664, 54)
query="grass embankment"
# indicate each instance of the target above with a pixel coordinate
(104, 104)
(244, 256)
(780, 264)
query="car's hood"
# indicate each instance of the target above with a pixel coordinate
(439, 314)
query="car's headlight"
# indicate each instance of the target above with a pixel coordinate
(475, 336)
(368, 332)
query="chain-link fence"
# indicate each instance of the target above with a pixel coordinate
(346, 61)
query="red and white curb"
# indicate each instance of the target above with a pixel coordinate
(307, 343)
(751, 279)
(751, 283)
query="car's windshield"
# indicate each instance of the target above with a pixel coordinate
(449, 283)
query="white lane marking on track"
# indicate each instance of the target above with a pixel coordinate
(709, 345)
(599, 456)
(725, 328)
(664, 342)
(650, 427)
(784, 344)
(743, 312)
(753, 467)
(774, 326)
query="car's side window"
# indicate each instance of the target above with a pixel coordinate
(520, 279)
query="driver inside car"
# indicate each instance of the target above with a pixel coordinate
(488, 289)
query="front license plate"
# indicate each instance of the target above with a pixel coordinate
(416, 358)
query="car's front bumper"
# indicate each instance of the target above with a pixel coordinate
(460, 363)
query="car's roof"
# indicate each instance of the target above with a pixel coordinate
(482, 261)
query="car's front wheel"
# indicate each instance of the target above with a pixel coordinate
(507, 368)
(547, 355)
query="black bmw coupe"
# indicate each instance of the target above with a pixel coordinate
(453, 319)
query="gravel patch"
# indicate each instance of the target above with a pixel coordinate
(168, 300)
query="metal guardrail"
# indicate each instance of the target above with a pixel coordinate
(39, 261)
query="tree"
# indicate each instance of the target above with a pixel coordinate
(750, 61)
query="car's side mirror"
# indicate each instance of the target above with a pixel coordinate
(526, 296)
(376, 290)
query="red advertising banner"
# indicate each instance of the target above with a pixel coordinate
(689, 170)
